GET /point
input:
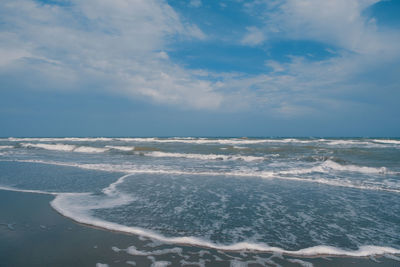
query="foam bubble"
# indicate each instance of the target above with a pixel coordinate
(160, 263)
(301, 262)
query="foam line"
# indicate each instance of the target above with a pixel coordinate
(65, 147)
(193, 140)
(6, 188)
(245, 173)
(78, 207)
(82, 215)
(159, 154)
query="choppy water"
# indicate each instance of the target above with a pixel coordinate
(304, 196)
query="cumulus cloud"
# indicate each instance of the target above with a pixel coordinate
(341, 23)
(101, 45)
(122, 47)
(359, 67)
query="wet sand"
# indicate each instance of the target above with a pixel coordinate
(33, 234)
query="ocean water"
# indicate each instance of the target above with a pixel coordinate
(300, 196)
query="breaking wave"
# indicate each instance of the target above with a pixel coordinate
(160, 154)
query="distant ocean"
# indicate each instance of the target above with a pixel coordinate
(301, 196)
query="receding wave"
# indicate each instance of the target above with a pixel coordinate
(160, 154)
(78, 206)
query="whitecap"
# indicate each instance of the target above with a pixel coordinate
(65, 147)
(203, 156)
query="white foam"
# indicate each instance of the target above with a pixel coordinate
(131, 169)
(88, 149)
(301, 262)
(160, 263)
(59, 139)
(62, 204)
(329, 165)
(65, 147)
(102, 264)
(132, 250)
(236, 263)
(6, 147)
(78, 206)
(223, 141)
(203, 156)
(387, 141)
(57, 147)
(354, 168)
(7, 188)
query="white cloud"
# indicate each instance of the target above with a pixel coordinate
(195, 3)
(254, 36)
(113, 44)
(121, 46)
(340, 23)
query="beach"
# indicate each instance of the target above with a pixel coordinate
(34, 234)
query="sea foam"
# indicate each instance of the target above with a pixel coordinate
(67, 205)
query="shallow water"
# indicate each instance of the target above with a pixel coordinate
(303, 196)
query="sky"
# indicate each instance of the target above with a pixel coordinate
(200, 68)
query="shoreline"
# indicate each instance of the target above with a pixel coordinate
(20, 209)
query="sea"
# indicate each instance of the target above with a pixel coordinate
(294, 196)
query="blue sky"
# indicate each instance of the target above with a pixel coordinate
(200, 68)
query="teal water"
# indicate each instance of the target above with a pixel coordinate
(301, 195)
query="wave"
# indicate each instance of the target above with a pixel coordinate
(329, 165)
(59, 139)
(247, 173)
(70, 205)
(65, 147)
(200, 140)
(387, 141)
(79, 206)
(159, 154)
(6, 147)
(122, 148)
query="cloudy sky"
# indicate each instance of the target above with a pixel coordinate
(199, 68)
